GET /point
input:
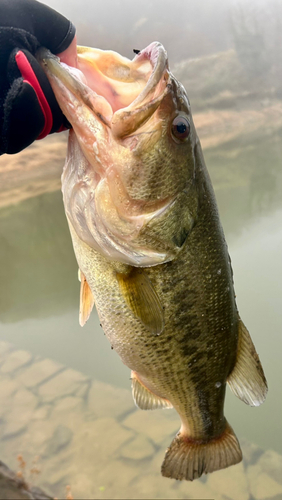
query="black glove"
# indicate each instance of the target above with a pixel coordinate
(28, 108)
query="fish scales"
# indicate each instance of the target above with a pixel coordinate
(151, 250)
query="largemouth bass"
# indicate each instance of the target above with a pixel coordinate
(151, 250)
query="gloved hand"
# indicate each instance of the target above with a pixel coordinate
(28, 108)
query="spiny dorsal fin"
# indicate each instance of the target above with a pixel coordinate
(142, 299)
(247, 379)
(86, 299)
(144, 398)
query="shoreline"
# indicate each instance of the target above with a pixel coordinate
(38, 168)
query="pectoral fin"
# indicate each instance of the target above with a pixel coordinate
(142, 299)
(144, 398)
(247, 379)
(86, 299)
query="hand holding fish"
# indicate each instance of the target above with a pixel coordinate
(28, 107)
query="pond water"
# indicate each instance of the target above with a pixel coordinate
(39, 289)
(39, 302)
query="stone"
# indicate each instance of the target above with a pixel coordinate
(4, 348)
(8, 388)
(61, 438)
(83, 484)
(67, 405)
(231, 482)
(271, 463)
(93, 453)
(139, 448)
(276, 497)
(104, 435)
(59, 479)
(82, 391)
(14, 428)
(149, 485)
(15, 360)
(39, 371)
(42, 412)
(37, 436)
(157, 460)
(63, 384)
(251, 452)
(105, 400)
(114, 479)
(262, 486)
(157, 425)
(24, 399)
(20, 413)
(199, 489)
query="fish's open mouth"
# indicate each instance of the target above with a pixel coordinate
(123, 94)
(112, 189)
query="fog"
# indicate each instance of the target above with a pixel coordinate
(187, 28)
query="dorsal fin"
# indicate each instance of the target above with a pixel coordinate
(141, 297)
(86, 299)
(247, 379)
(144, 398)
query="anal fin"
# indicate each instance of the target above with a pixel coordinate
(86, 299)
(247, 379)
(144, 398)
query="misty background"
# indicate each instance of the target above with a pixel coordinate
(245, 36)
(187, 28)
(228, 56)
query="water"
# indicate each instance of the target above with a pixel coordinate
(39, 303)
(39, 289)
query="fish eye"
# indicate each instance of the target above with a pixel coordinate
(180, 128)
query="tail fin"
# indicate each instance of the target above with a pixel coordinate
(189, 459)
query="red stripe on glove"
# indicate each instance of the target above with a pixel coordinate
(30, 77)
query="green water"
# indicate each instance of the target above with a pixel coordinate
(39, 290)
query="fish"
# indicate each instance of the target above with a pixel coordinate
(150, 248)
